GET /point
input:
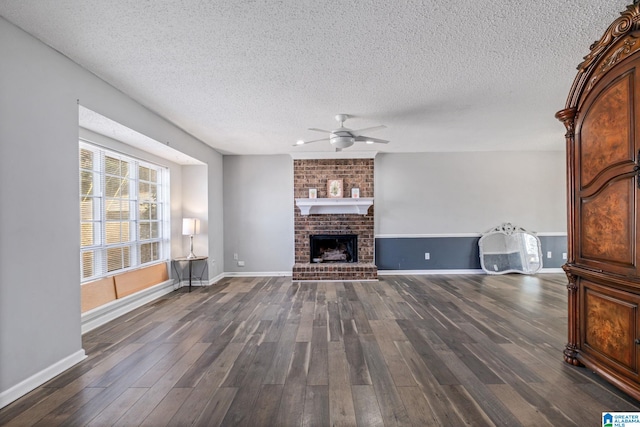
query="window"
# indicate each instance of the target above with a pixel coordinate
(124, 221)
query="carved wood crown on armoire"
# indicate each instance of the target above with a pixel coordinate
(602, 118)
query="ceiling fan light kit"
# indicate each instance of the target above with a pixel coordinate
(344, 137)
(342, 141)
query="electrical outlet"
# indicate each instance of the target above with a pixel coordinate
(240, 263)
(427, 255)
(564, 255)
(549, 254)
(235, 257)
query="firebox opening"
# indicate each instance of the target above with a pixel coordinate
(334, 247)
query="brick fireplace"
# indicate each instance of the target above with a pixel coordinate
(314, 173)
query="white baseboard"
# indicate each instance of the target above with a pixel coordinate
(336, 280)
(111, 310)
(216, 279)
(258, 274)
(36, 380)
(452, 272)
(550, 270)
(458, 235)
(427, 272)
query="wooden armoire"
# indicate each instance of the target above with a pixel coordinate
(602, 118)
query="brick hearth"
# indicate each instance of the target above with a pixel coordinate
(314, 174)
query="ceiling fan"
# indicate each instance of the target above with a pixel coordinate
(344, 137)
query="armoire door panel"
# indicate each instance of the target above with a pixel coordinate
(609, 325)
(607, 225)
(606, 132)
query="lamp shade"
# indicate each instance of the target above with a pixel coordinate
(190, 226)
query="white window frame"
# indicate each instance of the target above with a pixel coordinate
(99, 246)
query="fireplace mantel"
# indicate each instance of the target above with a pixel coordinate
(359, 206)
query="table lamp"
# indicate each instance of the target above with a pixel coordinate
(190, 226)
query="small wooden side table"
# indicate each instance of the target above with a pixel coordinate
(181, 260)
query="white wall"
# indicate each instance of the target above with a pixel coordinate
(39, 95)
(258, 213)
(449, 193)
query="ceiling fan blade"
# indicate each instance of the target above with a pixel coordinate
(361, 131)
(320, 130)
(363, 138)
(309, 142)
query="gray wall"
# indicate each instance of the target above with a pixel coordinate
(195, 205)
(40, 91)
(448, 193)
(258, 213)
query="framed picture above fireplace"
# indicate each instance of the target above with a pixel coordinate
(334, 188)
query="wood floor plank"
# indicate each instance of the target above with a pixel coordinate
(185, 354)
(14, 409)
(341, 410)
(279, 368)
(366, 406)
(442, 408)
(291, 409)
(31, 415)
(470, 411)
(250, 386)
(192, 408)
(119, 406)
(391, 406)
(305, 328)
(316, 406)
(527, 414)
(242, 365)
(417, 407)
(397, 368)
(158, 391)
(497, 412)
(61, 414)
(217, 407)
(148, 357)
(358, 370)
(443, 374)
(166, 409)
(279, 323)
(319, 363)
(197, 369)
(333, 319)
(264, 412)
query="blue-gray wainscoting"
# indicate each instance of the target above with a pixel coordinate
(451, 252)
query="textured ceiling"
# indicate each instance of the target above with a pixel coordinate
(250, 76)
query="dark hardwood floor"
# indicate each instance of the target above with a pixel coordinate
(407, 350)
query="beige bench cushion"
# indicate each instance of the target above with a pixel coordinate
(133, 281)
(95, 294)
